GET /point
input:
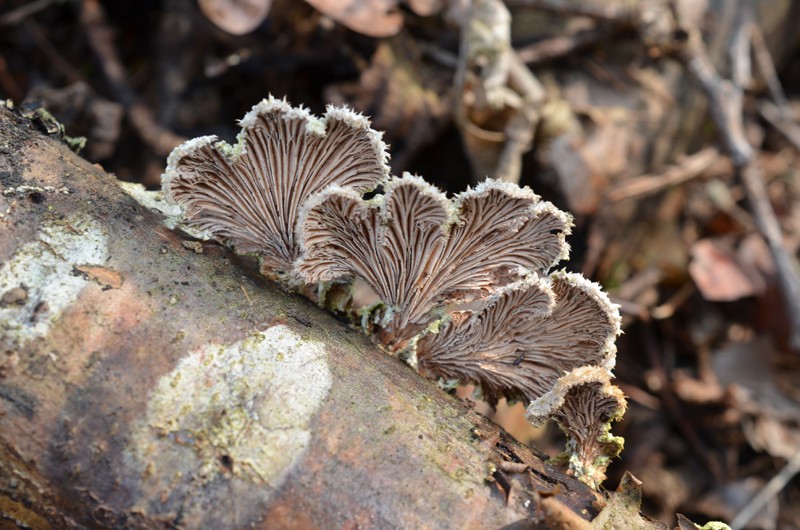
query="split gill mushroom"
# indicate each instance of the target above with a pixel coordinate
(549, 342)
(249, 195)
(465, 288)
(420, 252)
(584, 404)
(526, 336)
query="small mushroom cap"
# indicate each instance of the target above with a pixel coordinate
(549, 404)
(526, 337)
(584, 403)
(419, 252)
(249, 195)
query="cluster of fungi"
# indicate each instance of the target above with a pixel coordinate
(464, 287)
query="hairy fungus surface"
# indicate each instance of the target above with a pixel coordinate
(249, 195)
(525, 337)
(420, 251)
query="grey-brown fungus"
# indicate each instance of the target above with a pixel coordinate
(249, 195)
(584, 403)
(525, 337)
(420, 252)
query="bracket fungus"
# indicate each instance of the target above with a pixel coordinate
(249, 195)
(421, 252)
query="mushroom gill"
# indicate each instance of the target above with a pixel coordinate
(249, 195)
(525, 337)
(420, 252)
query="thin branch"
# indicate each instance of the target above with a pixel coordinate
(626, 13)
(561, 45)
(522, 126)
(781, 121)
(779, 113)
(725, 101)
(768, 492)
(19, 14)
(39, 38)
(767, 68)
(504, 82)
(724, 98)
(673, 408)
(691, 167)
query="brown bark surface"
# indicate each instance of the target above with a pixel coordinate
(145, 385)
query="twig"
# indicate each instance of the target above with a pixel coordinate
(773, 487)
(673, 407)
(779, 113)
(725, 101)
(560, 46)
(156, 136)
(504, 82)
(767, 67)
(15, 16)
(724, 98)
(522, 126)
(772, 113)
(39, 37)
(616, 12)
(645, 185)
(668, 308)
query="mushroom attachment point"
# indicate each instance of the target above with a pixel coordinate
(249, 195)
(422, 253)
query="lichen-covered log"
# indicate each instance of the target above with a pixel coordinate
(151, 382)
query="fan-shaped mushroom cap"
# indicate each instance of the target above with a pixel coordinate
(249, 195)
(418, 251)
(584, 403)
(525, 338)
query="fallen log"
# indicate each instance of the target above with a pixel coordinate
(151, 381)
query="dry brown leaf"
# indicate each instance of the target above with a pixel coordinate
(236, 16)
(719, 275)
(761, 390)
(622, 510)
(375, 18)
(103, 276)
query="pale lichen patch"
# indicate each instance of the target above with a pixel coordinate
(151, 199)
(240, 410)
(44, 269)
(154, 200)
(25, 189)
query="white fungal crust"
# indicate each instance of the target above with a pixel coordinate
(249, 195)
(525, 338)
(418, 251)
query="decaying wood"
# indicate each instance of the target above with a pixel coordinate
(145, 383)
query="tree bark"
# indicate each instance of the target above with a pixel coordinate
(146, 385)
